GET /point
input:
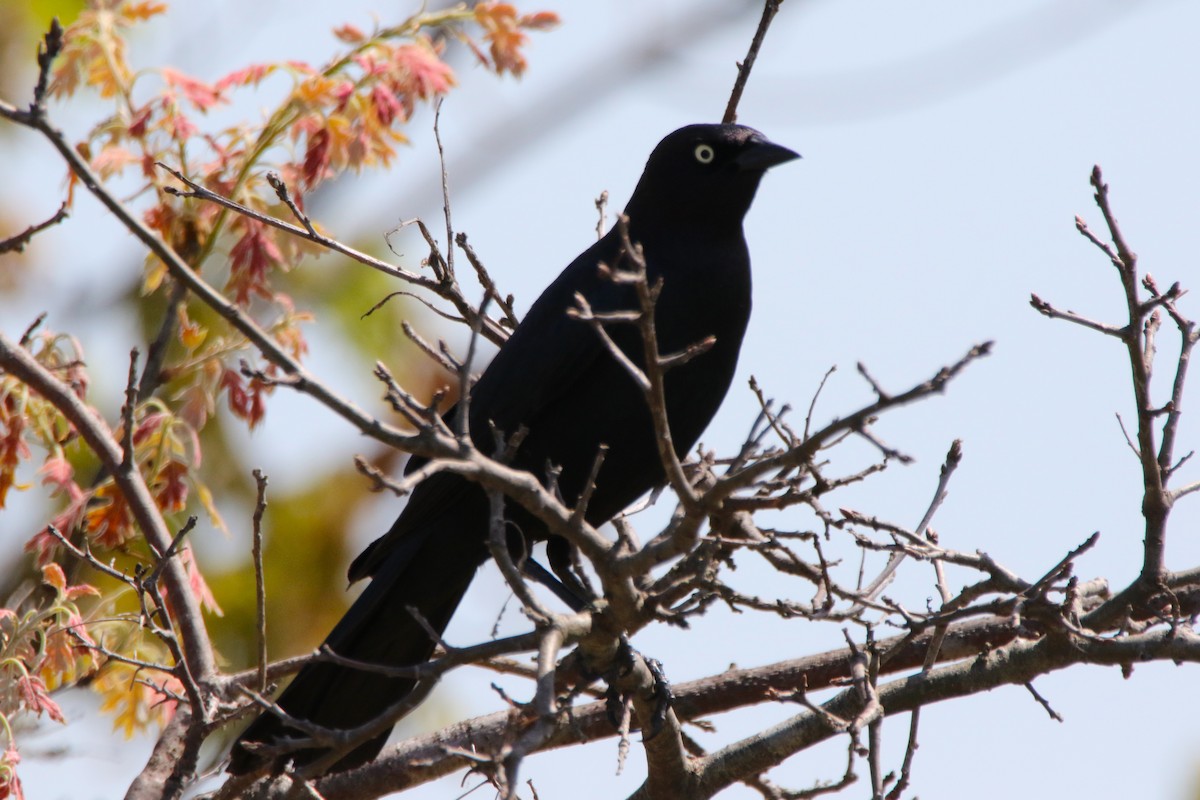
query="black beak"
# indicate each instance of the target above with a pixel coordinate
(759, 155)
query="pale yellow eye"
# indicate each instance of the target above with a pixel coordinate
(704, 153)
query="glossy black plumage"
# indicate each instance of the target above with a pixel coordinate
(554, 377)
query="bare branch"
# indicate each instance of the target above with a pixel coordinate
(17, 243)
(1050, 311)
(770, 7)
(260, 585)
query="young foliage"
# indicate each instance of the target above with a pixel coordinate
(116, 627)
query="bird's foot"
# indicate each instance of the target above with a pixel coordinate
(624, 679)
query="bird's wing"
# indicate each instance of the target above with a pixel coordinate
(550, 349)
(541, 362)
(547, 352)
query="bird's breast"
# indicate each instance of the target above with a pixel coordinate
(705, 293)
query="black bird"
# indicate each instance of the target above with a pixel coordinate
(555, 378)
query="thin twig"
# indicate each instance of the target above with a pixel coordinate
(260, 584)
(18, 242)
(1044, 703)
(485, 279)
(437, 137)
(770, 7)
(281, 191)
(601, 206)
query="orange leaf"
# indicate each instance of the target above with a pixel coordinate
(191, 334)
(37, 699)
(142, 11)
(540, 21)
(170, 487)
(109, 522)
(198, 93)
(12, 449)
(420, 72)
(247, 76)
(349, 34)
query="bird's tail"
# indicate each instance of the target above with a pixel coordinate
(379, 628)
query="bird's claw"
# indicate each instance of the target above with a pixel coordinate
(663, 699)
(614, 698)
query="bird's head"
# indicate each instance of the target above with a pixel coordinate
(704, 174)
